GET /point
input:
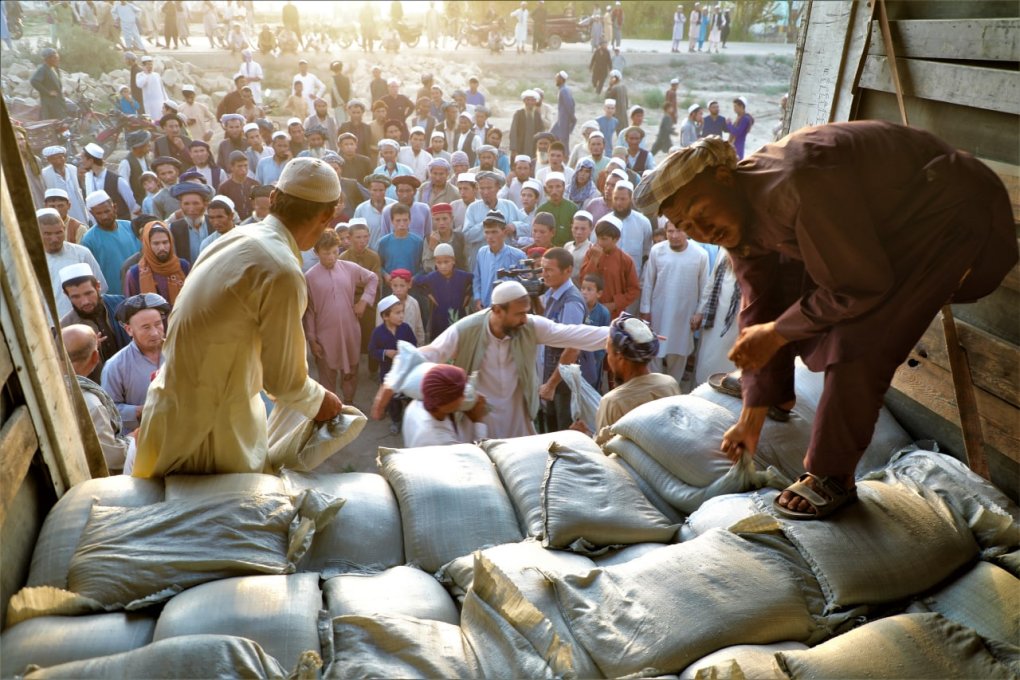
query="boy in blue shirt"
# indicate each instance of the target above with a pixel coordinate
(401, 249)
(382, 347)
(595, 314)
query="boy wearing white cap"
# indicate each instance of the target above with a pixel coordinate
(199, 117)
(382, 347)
(61, 253)
(236, 329)
(60, 174)
(99, 177)
(607, 121)
(312, 87)
(559, 207)
(57, 199)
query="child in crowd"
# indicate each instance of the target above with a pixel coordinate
(442, 232)
(401, 249)
(343, 232)
(580, 229)
(126, 103)
(382, 347)
(296, 104)
(619, 275)
(542, 231)
(448, 289)
(595, 314)
(658, 235)
(152, 187)
(608, 122)
(400, 284)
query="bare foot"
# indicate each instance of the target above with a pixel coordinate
(792, 501)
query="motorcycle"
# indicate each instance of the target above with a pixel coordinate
(478, 35)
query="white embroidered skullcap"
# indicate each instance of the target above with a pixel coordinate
(47, 212)
(467, 177)
(249, 127)
(624, 184)
(609, 102)
(53, 151)
(56, 193)
(97, 197)
(223, 199)
(94, 150)
(388, 302)
(77, 270)
(555, 177)
(444, 250)
(522, 158)
(508, 291)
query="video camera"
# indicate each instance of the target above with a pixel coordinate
(526, 274)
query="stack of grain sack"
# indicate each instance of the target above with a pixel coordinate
(531, 557)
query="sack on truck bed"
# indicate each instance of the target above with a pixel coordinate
(752, 662)
(590, 504)
(660, 503)
(283, 614)
(986, 598)
(190, 656)
(365, 535)
(296, 442)
(662, 611)
(451, 502)
(906, 645)
(206, 487)
(584, 399)
(400, 591)
(52, 640)
(62, 529)
(386, 647)
(521, 463)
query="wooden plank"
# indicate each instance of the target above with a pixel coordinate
(984, 133)
(900, 10)
(1010, 176)
(994, 363)
(973, 86)
(18, 534)
(932, 387)
(18, 444)
(995, 314)
(957, 39)
(34, 353)
(6, 367)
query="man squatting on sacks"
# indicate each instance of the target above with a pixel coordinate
(846, 240)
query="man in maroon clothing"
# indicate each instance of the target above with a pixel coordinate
(846, 240)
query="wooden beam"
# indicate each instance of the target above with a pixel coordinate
(6, 367)
(958, 39)
(972, 86)
(34, 353)
(1010, 176)
(18, 444)
(994, 363)
(932, 387)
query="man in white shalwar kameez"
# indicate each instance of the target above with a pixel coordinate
(236, 329)
(501, 344)
(674, 277)
(151, 84)
(60, 174)
(717, 320)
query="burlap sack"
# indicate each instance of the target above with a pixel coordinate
(753, 662)
(62, 529)
(387, 647)
(662, 611)
(206, 487)
(400, 591)
(283, 614)
(624, 555)
(52, 640)
(191, 656)
(298, 443)
(986, 598)
(660, 503)
(722, 512)
(521, 463)
(902, 646)
(365, 535)
(590, 504)
(451, 502)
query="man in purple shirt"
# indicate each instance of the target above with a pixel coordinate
(126, 376)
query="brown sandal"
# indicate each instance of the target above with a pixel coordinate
(826, 497)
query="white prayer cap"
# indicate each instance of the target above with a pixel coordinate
(393, 81)
(618, 161)
(97, 197)
(674, 81)
(280, 133)
(555, 177)
(584, 215)
(171, 104)
(53, 151)
(742, 100)
(438, 134)
(609, 102)
(187, 88)
(596, 133)
(302, 61)
(588, 126)
(310, 179)
(444, 250)
(619, 172)
(357, 220)
(223, 199)
(416, 128)
(466, 177)
(249, 127)
(562, 74)
(389, 142)
(56, 193)
(77, 270)
(615, 74)
(94, 150)
(292, 121)
(532, 184)
(388, 302)
(611, 219)
(47, 212)
(529, 93)
(146, 58)
(522, 158)
(624, 184)
(692, 108)
(508, 291)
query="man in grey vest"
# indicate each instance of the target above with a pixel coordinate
(501, 344)
(563, 304)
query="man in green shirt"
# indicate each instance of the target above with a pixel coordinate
(560, 208)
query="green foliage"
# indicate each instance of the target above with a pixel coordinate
(653, 99)
(86, 52)
(751, 58)
(719, 58)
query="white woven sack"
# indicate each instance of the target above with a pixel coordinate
(400, 591)
(986, 598)
(296, 442)
(753, 661)
(409, 369)
(584, 399)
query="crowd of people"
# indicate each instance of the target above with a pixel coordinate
(436, 209)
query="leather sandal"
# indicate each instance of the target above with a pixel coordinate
(827, 498)
(727, 383)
